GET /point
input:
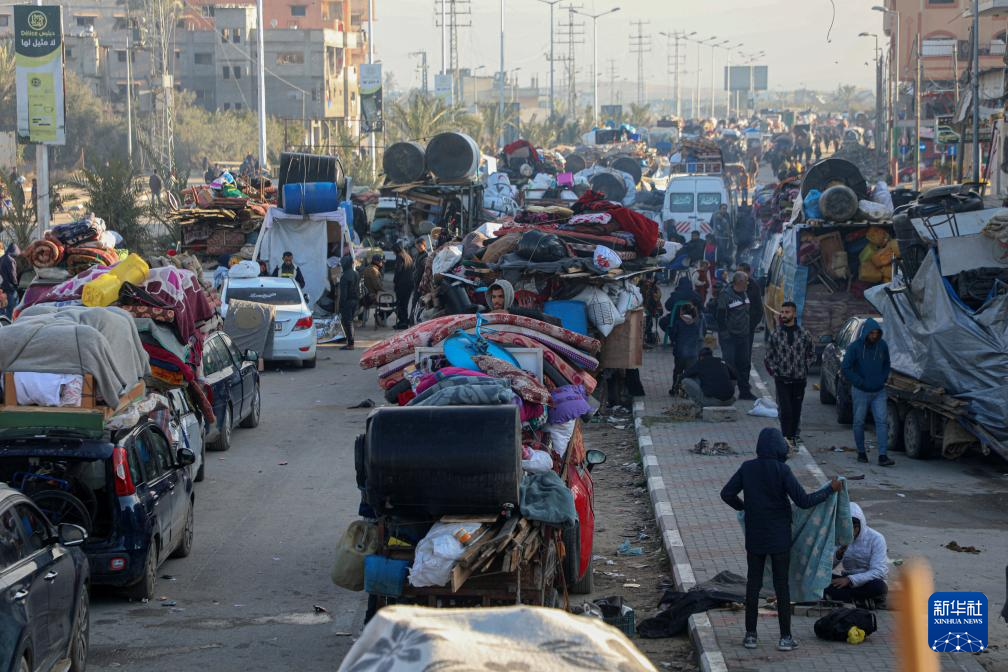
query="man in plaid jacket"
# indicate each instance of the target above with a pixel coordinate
(790, 353)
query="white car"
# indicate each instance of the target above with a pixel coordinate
(294, 337)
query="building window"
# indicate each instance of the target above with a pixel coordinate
(121, 88)
(227, 106)
(199, 94)
(121, 55)
(236, 35)
(299, 10)
(224, 35)
(947, 3)
(203, 58)
(290, 58)
(237, 72)
(238, 106)
(85, 21)
(207, 10)
(4, 20)
(67, 51)
(226, 72)
(180, 24)
(119, 23)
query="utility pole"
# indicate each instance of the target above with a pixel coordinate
(552, 55)
(640, 44)
(42, 180)
(594, 70)
(503, 74)
(370, 59)
(975, 87)
(261, 75)
(129, 88)
(675, 67)
(917, 113)
(612, 82)
(456, 14)
(422, 67)
(699, 60)
(571, 33)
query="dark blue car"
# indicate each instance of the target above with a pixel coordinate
(129, 490)
(44, 615)
(232, 386)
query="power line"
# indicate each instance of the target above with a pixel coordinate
(640, 44)
(675, 66)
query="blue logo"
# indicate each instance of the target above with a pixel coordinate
(957, 622)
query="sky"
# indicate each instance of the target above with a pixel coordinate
(802, 48)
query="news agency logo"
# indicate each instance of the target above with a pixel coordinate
(957, 622)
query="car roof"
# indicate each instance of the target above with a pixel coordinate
(262, 281)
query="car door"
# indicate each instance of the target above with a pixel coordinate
(172, 483)
(249, 376)
(154, 492)
(58, 572)
(23, 609)
(225, 380)
(241, 394)
(190, 426)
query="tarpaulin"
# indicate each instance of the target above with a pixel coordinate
(949, 345)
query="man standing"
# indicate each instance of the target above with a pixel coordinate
(349, 298)
(721, 225)
(288, 269)
(419, 267)
(9, 278)
(866, 367)
(402, 283)
(790, 352)
(755, 293)
(767, 484)
(734, 335)
(155, 188)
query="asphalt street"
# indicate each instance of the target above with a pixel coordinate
(267, 519)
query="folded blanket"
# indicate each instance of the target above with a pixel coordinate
(78, 232)
(44, 253)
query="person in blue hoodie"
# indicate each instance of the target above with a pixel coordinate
(686, 333)
(767, 484)
(866, 367)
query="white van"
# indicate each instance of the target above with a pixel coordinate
(691, 200)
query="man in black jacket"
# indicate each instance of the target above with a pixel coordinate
(402, 283)
(709, 382)
(767, 483)
(349, 299)
(734, 324)
(790, 353)
(419, 267)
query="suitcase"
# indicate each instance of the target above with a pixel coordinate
(433, 461)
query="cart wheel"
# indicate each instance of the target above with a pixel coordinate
(894, 425)
(916, 439)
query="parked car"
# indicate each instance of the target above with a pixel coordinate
(129, 490)
(232, 385)
(294, 337)
(833, 386)
(44, 615)
(189, 429)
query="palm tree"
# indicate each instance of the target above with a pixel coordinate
(639, 115)
(114, 192)
(493, 123)
(844, 96)
(420, 117)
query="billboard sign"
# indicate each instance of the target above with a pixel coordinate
(745, 78)
(38, 61)
(372, 119)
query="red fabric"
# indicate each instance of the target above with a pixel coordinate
(644, 230)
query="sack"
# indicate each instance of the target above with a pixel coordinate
(359, 540)
(538, 246)
(605, 258)
(834, 626)
(811, 204)
(600, 309)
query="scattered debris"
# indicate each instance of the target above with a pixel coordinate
(625, 549)
(631, 585)
(167, 577)
(281, 464)
(682, 409)
(169, 603)
(953, 546)
(704, 447)
(320, 610)
(367, 403)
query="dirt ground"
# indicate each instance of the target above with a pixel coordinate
(623, 512)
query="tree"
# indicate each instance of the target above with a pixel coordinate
(844, 96)
(492, 125)
(113, 192)
(8, 112)
(640, 116)
(420, 117)
(18, 221)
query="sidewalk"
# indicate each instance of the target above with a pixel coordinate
(702, 537)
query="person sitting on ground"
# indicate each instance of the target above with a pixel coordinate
(694, 249)
(709, 382)
(767, 484)
(863, 564)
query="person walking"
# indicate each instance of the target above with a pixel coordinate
(349, 299)
(767, 484)
(419, 268)
(155, 188)
(790, 353)
(721, 225)
(866, 367)
(734, 335)
(402, 283)
(9, 279)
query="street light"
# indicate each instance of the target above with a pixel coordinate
(894, 82)
(595, 18)
(878, 96)
(713, 75)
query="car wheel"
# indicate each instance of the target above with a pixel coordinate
(894, 427)
(144, 588)
(185, 544)
(79, 642)
(308, 363)
(223, 441)
(252, 419)
(572, 562)
(844, 405)
(201, 472)
(916, 439)
(825, 396)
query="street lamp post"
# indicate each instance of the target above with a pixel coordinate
(595, 18)
(552, 104)
(476, 86)
(713, 74)
(894, 106)
(878, 97)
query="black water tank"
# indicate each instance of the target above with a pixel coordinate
(452, 156)
(613, 187)
(403, 162)
(628, 165)
(437, 460)
(575, 163)
(297, 167)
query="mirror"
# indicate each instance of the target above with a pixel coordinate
(251, 356)
(71, 535)
(185, 457)
(826, 340)
(593, 457)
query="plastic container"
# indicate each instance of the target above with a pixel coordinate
(572, 315)
(306, 198)
(104, 290)
(384, 576)
(297, 167)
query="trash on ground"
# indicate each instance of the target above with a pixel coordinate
(953, 546)
(705, 447)
(625, 549)
(367, 403)
(764, 407)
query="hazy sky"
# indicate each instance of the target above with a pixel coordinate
(792, 32)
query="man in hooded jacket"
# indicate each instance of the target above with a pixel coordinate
(402, 283)
(500, 299)
(866, 367)
(767, 484)
(9, 278)
(863, 562)
(349, 299)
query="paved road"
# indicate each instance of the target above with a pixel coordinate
(263, 543)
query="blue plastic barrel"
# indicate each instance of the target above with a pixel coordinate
(572, 314)
(306, 198)
(384, 576)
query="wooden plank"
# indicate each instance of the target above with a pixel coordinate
(468, 519)
(10, 392)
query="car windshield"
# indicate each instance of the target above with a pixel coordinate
(681, 202)
(708, 201)
(276, 296)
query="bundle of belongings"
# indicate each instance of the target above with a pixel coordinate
(67, 249)
(163, 313)
(218, 218)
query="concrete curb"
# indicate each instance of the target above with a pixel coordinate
(701, 631)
